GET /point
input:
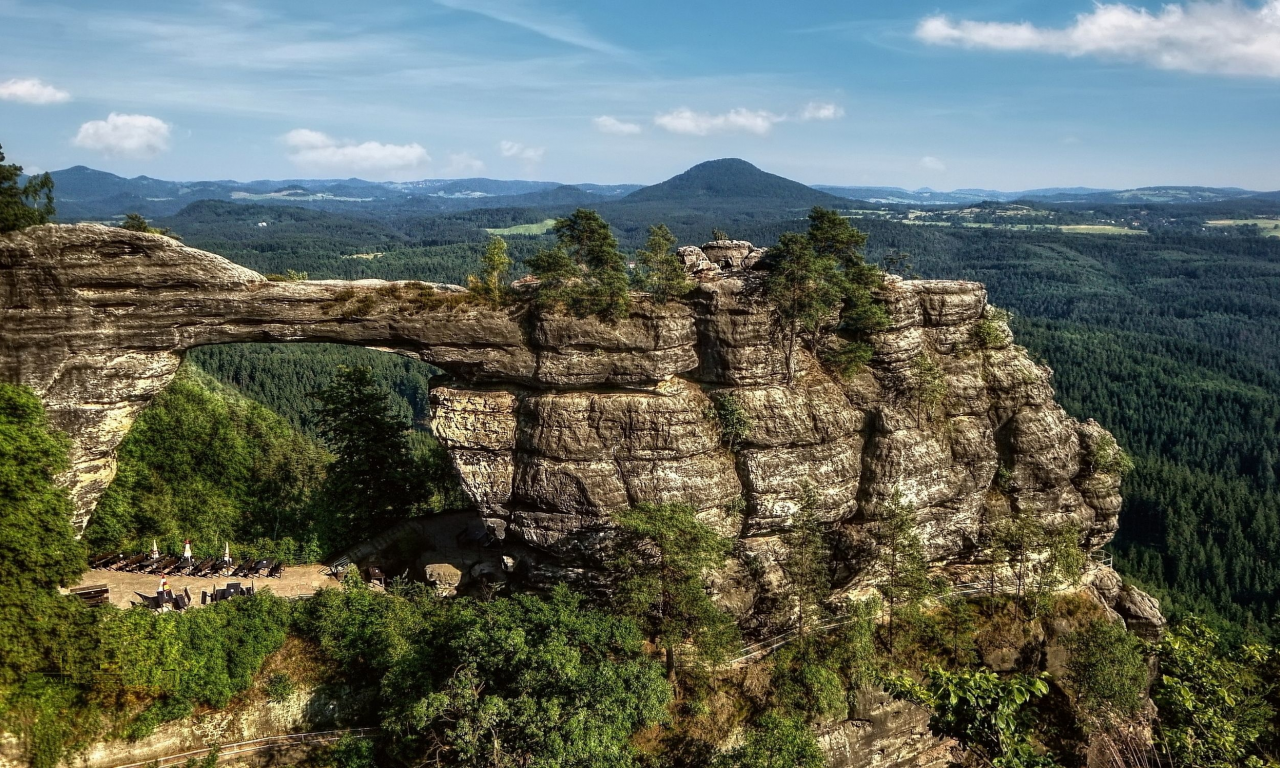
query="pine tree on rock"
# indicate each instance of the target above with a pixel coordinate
(491, 285)
(662, 274)
(23, 205)
(661, 557)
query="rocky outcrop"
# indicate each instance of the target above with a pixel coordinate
(556, 422)
(883, 732)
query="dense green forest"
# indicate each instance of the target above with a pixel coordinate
(284, 376)
(204, 462)
(1171, 339)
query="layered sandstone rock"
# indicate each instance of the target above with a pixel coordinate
(556, 422)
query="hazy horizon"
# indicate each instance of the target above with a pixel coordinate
(1005, 95)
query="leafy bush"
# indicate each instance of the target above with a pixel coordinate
(1213, 702)
(351, 752)
(1109, 458)
(516, 681)
(1107, 672)
(775, 742)
(984, 712)
(735, 423)
(279, 687)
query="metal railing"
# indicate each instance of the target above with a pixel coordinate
(255, 745)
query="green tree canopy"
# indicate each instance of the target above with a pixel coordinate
(134, 222)
(38, 548)
(585, 271)
(661, 272)
(371, 482)
(27, 204)
(491, 285)
(661, 558)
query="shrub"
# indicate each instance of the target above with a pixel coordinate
(775, 742)
(1107, 672)
(735, 423)
(928, 383)
(849, 359)
(1109, 458)
(279, 687)
(984, 712)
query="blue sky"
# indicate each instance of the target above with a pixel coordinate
(1006, 94)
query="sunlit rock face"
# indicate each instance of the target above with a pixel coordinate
(555, 422)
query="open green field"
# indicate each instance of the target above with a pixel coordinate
(1269, 227)
(541, 228)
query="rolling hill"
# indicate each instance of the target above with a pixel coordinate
(718, 181)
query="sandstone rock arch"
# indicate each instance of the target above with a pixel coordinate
(554, 422)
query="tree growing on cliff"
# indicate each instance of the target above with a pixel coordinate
(806, 288)
(372, 479)
(38, 548)
(900, 560)
(661, 272)
(661, 557)
(819, 274)
(491, 285)
(27, 204)
(806, 564)
(134, 222)
(585, 272)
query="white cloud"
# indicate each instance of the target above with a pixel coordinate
(125, 135)
(686, 121)
(930, 163)
(32, 91)
(463, 164)
(537, 19)
(1226, 37)
(818, 110)
(519, 151)
(313, 149)
(607, 124)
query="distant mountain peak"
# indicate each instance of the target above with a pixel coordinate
(727, 179)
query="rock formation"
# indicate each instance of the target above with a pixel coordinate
(555, 422)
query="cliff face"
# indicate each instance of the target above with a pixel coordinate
(555, 422)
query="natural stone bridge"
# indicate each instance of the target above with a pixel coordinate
(555, 422)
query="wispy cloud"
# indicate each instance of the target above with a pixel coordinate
(607, 124)
(931, 163)
(820, 110)
(1226, 37)
(138, 136)
(515, 149)
(319, 151)
(32, 91)
(690, 123)
(463, 164)
(539, 20)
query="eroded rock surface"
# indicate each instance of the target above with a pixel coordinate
(555, 422)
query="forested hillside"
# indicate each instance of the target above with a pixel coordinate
(1172, 341)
